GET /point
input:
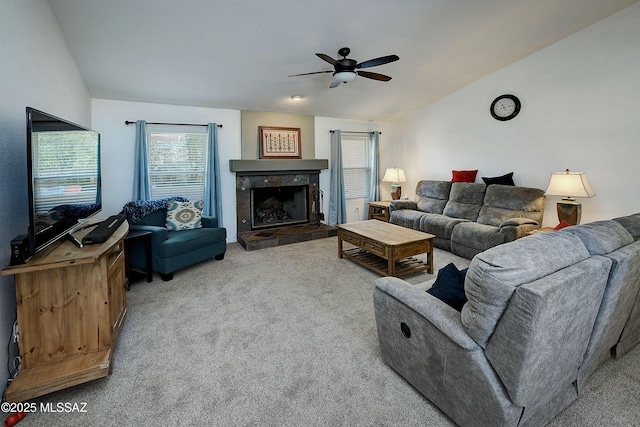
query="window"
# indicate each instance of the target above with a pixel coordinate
(356, 165)
(177, 162)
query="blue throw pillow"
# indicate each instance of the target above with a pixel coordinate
(449, 286)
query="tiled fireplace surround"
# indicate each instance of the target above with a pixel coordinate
(299, 178)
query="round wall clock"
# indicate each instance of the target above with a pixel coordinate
(505, 107)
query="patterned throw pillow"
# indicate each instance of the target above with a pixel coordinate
(184, 215)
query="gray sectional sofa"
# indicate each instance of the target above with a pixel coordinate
(543, 313)
(468, 218)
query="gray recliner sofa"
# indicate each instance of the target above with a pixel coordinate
(630, 336)
(543, 313)
(468, 218)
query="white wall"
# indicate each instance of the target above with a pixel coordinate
(323, 151)
(118, 144)
(38, 71)
(579, 111)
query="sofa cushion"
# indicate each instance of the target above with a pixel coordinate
(440, 225)
(449, 286)
(496, 273)
(463, 176)
(506, 179)
(185, 241)
(465, 200)
(157, 218)
(631, 223)
(432, 196)
(407, 218)
(503, 202)
(601, 237)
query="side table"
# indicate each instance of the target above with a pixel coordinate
(144, 237)
(379, 210)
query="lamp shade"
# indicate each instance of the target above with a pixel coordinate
(569, 184)
(394, 175)
(344, 76)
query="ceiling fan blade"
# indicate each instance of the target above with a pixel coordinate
(378, 61)
(327, 58)
(334, 83)
(374, 76)
(315, 72)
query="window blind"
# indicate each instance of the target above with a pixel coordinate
(177, 162)
(356, 165)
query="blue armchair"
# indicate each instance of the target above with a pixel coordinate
(172, 250)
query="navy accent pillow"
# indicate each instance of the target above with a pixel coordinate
(506, 179)
(449, 286)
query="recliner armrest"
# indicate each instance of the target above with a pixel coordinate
(515, 222)
(434, 311)
(516, 228)
(209, 222)
(402, 204)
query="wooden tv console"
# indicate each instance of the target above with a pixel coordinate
(71, 307)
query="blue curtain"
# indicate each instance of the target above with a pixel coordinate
(212, 191)
(141, 180)
(374, 187)
(337, 203)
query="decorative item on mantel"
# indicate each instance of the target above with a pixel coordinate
(569, 185)
(279, 143)
(395, 176)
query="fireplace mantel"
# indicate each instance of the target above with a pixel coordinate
(273, 165)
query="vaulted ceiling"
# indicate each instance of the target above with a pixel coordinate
(239, 54)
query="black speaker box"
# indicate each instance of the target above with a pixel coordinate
(20, 253)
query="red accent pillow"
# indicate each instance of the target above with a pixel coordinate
(562, 225)
(464, 176)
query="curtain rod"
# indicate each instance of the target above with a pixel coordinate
(128, 122)
(348, 131)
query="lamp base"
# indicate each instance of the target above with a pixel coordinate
(569, 211)
(396, 191)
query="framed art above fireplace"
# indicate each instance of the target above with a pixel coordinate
(279, 143)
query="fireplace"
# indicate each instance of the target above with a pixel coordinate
(278, 199)
(277, 206)
(278, 202)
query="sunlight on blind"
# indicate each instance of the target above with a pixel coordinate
(356, 165)
(65, 168)
(177, 164)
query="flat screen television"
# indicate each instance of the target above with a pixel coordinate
(64, 176)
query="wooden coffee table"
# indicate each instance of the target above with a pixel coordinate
(385, 248)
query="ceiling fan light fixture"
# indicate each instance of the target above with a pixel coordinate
(344, 76)
(296, 97)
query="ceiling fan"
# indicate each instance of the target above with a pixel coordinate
(345, 69)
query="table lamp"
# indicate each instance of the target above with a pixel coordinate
(569, 185)
(395, 176)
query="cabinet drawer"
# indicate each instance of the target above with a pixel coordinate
(373, 247)
(350, 238)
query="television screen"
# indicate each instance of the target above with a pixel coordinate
(63, 163)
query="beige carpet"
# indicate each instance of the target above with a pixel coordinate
(282, 336)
